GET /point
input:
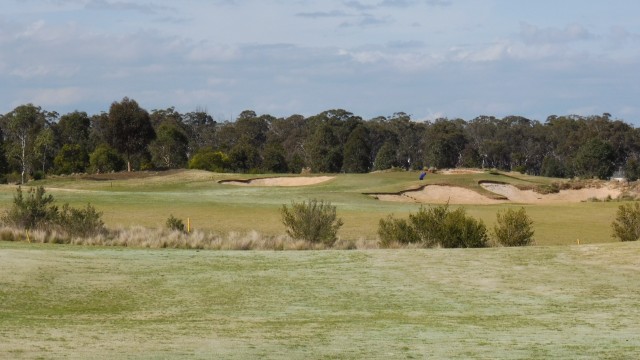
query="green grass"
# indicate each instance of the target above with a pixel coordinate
(520, 303)
(197, 195)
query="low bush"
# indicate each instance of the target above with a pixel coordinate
(462, 231)
(436, 226)
(513, 228)
(314, 221)
(626, 226)
(37, 211)
(81, 222)
(175, 224)
(392, 231)
(34, 211)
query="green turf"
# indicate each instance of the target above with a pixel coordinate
(197, 195)
(72, 302)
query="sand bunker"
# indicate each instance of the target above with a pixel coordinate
(439, 194)
(531, 197)
(461, 171)
(279, 181)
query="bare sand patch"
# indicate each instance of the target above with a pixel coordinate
(440, 194)
(531, 197)
(280, 181)
(461, 171)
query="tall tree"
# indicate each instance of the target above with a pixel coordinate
(324, 150)
(44, 146)
(445, 143)
(595, 158)
(129, 128)
(357, 152)
(386, 157)
(22, 126)
(200, 129)
(169, 149)
(75, 128)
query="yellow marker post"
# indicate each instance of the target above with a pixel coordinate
(188, 225)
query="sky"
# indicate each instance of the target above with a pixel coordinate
(426, 58)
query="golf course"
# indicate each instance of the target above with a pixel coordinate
(574, 294)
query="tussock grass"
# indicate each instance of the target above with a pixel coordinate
(142, 237)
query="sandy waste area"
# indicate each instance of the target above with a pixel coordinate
(280, 181)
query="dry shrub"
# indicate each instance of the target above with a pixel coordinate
(626, 226)
(436, 226)
(513, 228)
(314, 221)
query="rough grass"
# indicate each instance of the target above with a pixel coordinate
(519, 303)
(148, 199)
(155, 238)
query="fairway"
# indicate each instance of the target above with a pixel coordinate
(541, 302)
(148, 199)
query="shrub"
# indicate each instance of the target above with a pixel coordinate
(81, 222)
(462, 231)
(626, 226)
(37, 212)
(436, 226)
(513, 228)
(429, 224)
(72, 158)
(392, 231)
(105, 159)
(34, 211)
(314, 221)
(210, 160)
(175, 224)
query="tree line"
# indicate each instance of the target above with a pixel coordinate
(37, 142)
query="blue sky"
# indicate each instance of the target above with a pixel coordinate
(428, 58)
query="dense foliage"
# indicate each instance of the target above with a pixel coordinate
(314, 221)
(37, 211)
(435, 226)
(626, 226)
(35, 142)
(513, 228)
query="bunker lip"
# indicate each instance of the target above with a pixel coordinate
(500, 193)
(278, 181)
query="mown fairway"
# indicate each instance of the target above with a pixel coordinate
(148, 201)
(521, 303)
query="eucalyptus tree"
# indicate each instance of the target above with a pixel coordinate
(22, 126)
(169, 149)
(357, 152)
(128, 128)
(324, 150)
(445, 143)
